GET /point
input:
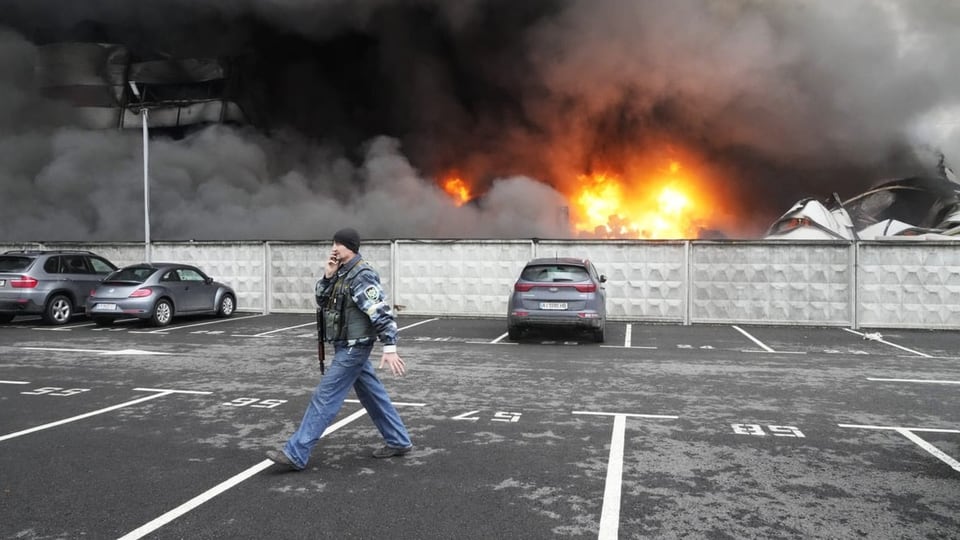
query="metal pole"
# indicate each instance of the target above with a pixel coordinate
(146, 185)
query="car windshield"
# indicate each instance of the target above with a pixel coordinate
(552, 273)
(136, 273)
(10, 263)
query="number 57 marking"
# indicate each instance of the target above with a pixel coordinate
(757, 430)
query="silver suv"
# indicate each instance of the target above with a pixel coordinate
(53, 284)
(558, 293)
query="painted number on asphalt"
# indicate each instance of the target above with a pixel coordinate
(500, 416)
(55, 391)
(757, 429)
(255, 402)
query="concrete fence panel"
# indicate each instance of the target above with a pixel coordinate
(458, 277)
(776, 283)
(295, 267)
(238, 264)
(915, 285)
(646, 281)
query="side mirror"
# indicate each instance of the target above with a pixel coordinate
(208, 280)
(603, 278)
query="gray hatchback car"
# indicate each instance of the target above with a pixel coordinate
(158, 291)
(52, 284)
(559, 292)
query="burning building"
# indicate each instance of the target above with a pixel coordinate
(485, 118)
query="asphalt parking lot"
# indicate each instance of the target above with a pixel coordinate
(661, 432)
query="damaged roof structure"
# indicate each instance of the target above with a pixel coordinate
(905, 208)
(102, 80)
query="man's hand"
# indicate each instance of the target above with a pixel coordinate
(394, 361)
(333, 264)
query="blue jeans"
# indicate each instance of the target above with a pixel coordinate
(350, 367)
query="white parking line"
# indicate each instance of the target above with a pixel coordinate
(160, 393)
(82, 325)
(148, 528)
(313, 323)
(610, 511)
(631, 415)
(910, 434)
(397, 403)
(418, 323)
(885, 342)
(151, 526)
(170, 391)
(897, 428)
(933, 450)
(499, 339)
(777, 352)
(629, 336)
(261, 334)
(753, 339)
(14, 382)
(928, 381)
(610, 508)
(167, 329)
(122, 352)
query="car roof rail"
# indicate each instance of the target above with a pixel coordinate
(44, 251)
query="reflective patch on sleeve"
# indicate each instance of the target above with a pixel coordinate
(372, 293)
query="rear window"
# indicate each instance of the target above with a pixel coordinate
(552, 273)
(9, 263)
(101, 266)
(138, 274)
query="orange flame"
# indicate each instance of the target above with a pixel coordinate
(666, 202)
(665, 206)
(458, 190)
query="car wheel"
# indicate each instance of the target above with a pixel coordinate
(598, 335)
(6, 317)
(58, 310)
(103, 321)
(513, 333)
(227, 306)
(162, 313)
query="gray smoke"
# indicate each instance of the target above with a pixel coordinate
(368, 102)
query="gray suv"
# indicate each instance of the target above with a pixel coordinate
(53, 284)
(561, 293)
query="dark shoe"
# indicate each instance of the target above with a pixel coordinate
(391, 451)
(280, 458)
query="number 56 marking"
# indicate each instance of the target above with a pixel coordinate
(757, 429)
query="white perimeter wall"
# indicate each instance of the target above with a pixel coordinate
(913, 284)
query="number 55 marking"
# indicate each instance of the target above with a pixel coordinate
(55, 391)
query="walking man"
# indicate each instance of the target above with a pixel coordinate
(355, 314)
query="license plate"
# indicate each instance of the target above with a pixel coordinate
(553, 305)
(106, 307)
(3, 282)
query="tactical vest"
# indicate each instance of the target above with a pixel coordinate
(343, 320)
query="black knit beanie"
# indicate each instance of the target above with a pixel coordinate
(349, 238)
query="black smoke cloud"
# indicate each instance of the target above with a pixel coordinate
(356, 107)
